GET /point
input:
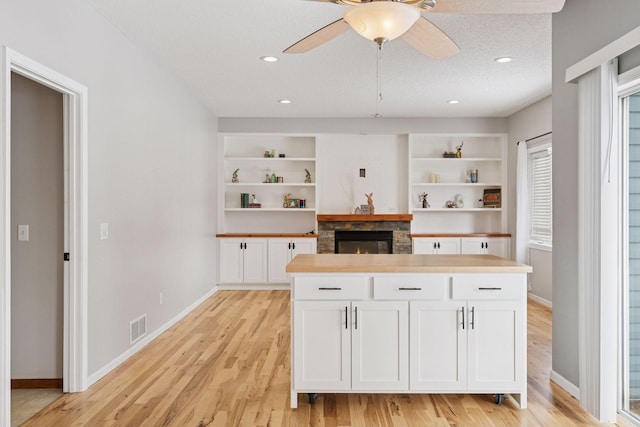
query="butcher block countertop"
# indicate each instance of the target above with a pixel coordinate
(403, 263)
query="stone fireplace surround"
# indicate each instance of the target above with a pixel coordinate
(400, 224)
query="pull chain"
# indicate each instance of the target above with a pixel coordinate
(379, 82)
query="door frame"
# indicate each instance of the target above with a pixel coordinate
(75, 142)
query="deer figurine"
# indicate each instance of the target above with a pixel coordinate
(372, 208)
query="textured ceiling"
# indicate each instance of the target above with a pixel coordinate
(214, 47)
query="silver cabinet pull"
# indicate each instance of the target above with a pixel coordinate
(462, 310)
(329, 289)
(356, 322)
(473, 317)
(409, 289)
(489, 289)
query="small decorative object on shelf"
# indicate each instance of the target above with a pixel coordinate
(254, 202)
(281, 155)
(458, 201)
(449, 155)
(357, 210)
(267, 153)
(423, 199)
(372, 209)
(459, 150)
(364, 210)
(234, 177)
(273, 178)
(307, 176)
(474, 175)
(492, 198)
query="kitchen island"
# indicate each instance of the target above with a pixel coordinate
(408, 324)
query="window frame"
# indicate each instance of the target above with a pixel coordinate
(532, 151)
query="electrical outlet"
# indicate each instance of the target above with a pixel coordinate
(23, 233)
(161, 298)
(104, 231)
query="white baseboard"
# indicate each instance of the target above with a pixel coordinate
(541, 300)
(254, 287)
(141, 344)
(567, 385)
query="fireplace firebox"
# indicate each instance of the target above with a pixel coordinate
(363, 242)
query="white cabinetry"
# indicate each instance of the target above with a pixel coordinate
(245, 153)
(446, 179)
(436, 245)
(412, 333)
(242, 260)
(282, 251)
(498, 246)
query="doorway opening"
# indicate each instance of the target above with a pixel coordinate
(74, 347)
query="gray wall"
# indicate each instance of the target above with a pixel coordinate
(525, 124)
(581, 28)
(151, 166)
(36, 200)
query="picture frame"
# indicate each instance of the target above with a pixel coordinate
(294, 203)
(492, 198)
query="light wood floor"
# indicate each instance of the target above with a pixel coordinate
(227, 364)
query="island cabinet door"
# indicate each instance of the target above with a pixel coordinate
(322, 345)
(497, 345)
(380, 334)
(438, 346)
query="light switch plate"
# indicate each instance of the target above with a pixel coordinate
(104, 231)
(23, 233)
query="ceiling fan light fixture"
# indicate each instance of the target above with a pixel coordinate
(284, 101)
(453, 101)
(504, 59)
(269, 58)
(381, 20)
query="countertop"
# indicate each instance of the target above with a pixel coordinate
(404, 263)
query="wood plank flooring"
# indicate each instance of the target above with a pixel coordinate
(227, 364)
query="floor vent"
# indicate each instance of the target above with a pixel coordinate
(137, 328)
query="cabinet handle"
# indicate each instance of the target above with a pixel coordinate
(489, 289)
(245, 245)
(329, 289)
(435, 245)
(346, 318)
(289, 245)
(438, 245)
(473, 317)
(462, 310)
(294, 246)
(356, 322)
(409, 289)
(486, 245)
(241, 245)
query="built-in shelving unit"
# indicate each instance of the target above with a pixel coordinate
(246, 154)
(447, 180)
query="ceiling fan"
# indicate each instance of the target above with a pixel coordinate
(384, 20)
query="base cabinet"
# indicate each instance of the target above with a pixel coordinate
(436, 246)
(282, 251)
(499, 246)
(348, 345)
(242, 260)
(427, 333)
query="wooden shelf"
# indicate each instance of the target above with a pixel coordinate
(365, 218)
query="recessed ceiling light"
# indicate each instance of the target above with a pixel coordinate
(453, 101)
(269, 58)
(284, 101)
(503, 59)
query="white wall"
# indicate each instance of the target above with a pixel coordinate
(527, 123)
(151, 170)
(572, 43)
(37, 201)
(384, 158)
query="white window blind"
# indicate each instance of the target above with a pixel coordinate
(540, 196)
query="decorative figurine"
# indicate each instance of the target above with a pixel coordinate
(307, 177)
(372, 208)
(423, 198)
(234, 177)
(459, 150)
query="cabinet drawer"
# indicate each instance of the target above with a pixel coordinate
(489, 287)
(331, 288)
(410, 288)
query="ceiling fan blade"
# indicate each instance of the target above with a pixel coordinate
(498, 6)
(430, 40)
(319, 37)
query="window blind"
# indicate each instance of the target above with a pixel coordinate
(540, 197)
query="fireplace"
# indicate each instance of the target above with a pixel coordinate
(363, 242)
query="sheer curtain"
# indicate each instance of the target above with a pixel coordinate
(522, 204)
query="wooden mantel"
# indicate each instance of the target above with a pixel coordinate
(365, 218)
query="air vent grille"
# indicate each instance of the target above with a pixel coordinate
(137, 328)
